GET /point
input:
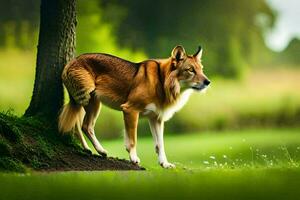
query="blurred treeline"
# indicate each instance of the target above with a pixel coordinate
(231, 32)
(291, 55)
(19, 23)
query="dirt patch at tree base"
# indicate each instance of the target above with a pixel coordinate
(77, 161)
(32, 144)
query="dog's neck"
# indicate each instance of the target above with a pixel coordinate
(170, 86)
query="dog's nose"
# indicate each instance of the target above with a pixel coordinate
(206, 82)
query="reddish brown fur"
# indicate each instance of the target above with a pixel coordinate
(119, 81)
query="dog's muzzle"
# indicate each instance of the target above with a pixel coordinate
(201, 86)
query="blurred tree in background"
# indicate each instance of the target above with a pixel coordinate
(95, 35)
(19, 23)
(291, 55)
(230, 31)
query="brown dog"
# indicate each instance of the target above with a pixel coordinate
(154, 88)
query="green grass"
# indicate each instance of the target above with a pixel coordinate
(213, 184)
(261, 164)
(225, 149)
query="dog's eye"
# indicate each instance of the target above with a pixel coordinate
(190, 69)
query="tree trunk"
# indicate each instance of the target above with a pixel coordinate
(56, 47)
(34, 143)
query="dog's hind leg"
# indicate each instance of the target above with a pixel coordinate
(92, 111)
(131, 122)
(81, 137)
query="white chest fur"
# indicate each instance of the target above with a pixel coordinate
(166, 113)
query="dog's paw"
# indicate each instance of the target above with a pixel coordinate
(135, 160)
(102, 152)
(167, 165)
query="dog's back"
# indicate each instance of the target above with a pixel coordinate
(102, 75)
(90, 72)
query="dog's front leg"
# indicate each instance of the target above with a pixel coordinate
(131, 121)
(157, 129)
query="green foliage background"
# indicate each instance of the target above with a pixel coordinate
(231, 33)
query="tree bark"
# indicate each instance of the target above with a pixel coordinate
(56, 46)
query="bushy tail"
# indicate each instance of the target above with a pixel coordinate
(70, 114)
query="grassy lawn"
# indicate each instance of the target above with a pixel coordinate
(226, 149)
(252, 164)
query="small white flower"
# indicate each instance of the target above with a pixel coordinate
(212, 157)
(224, 156)
(206, 162)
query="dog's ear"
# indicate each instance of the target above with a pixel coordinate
(178, 53)
(198, 54)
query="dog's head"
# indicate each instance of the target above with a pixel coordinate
(188, 69)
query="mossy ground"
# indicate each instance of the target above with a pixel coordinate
(28, 143)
